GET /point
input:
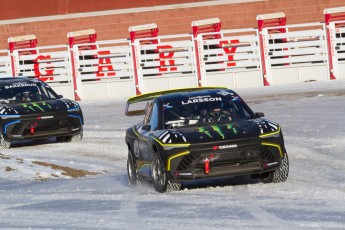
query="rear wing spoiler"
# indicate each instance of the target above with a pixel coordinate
(150, 96)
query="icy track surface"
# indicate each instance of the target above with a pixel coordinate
(35, 194)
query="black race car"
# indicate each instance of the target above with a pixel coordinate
(201, 133)
(30, 109)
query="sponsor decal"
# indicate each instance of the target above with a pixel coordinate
(19, 85)
(201, 100)
(219, 131)
(183, 174)
(232, 127)
(225, 147)
(203, 130)
(46, 117)
(271, 164)
(224, 93)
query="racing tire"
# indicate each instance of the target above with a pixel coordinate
(4, 144)
(280, 174)
(131, 171)
(160, 180)
(75, 138)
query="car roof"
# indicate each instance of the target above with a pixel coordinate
(186, 95)
(11, 80)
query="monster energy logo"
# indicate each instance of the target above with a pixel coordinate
(218, 130)
(34, 106)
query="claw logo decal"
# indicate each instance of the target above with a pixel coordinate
(70, 104)
(203, 130)
(7, 110)
(170, 136)
(267, 126)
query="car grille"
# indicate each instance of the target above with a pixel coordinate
(248, 150)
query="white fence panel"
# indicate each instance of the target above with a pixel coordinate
(5, 64)
(233, 60)
(298, 55)
(105, 71)
(50, 64)
(166, 65)
(337, 39)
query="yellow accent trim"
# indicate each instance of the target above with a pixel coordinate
(270, 134)
(175, 156)
(172, 145)
(274, 145)
(152, 95)
(136, 133)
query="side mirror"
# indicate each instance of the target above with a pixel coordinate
(260, 114)
(60, 96)
(146, 127)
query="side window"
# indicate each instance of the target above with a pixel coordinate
(154, 117)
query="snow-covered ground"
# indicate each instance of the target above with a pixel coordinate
(40, 187)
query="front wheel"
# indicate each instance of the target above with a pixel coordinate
(75, 138)
(4, 144)
(160, 181)
(280, 174)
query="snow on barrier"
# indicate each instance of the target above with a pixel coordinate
(335, 28)
(47, 63)
(162, 62)
(294, 53)
(5, 64)
(228, 58)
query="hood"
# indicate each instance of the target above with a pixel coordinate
(218, 132)
(38, 107)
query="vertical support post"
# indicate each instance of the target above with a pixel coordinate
(135, 33)
(78, 38)
(199, 27)
(21, 42)
(266, 21)
(331, 16)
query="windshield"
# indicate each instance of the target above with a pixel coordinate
(205, 110)
(25, 92)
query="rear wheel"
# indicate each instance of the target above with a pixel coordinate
(131, 171)
(4, 144)
(160, 180)
(280, 174)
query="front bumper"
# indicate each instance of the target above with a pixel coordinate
(42, 126)
(251, 158)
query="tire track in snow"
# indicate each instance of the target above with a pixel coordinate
(266, 218)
